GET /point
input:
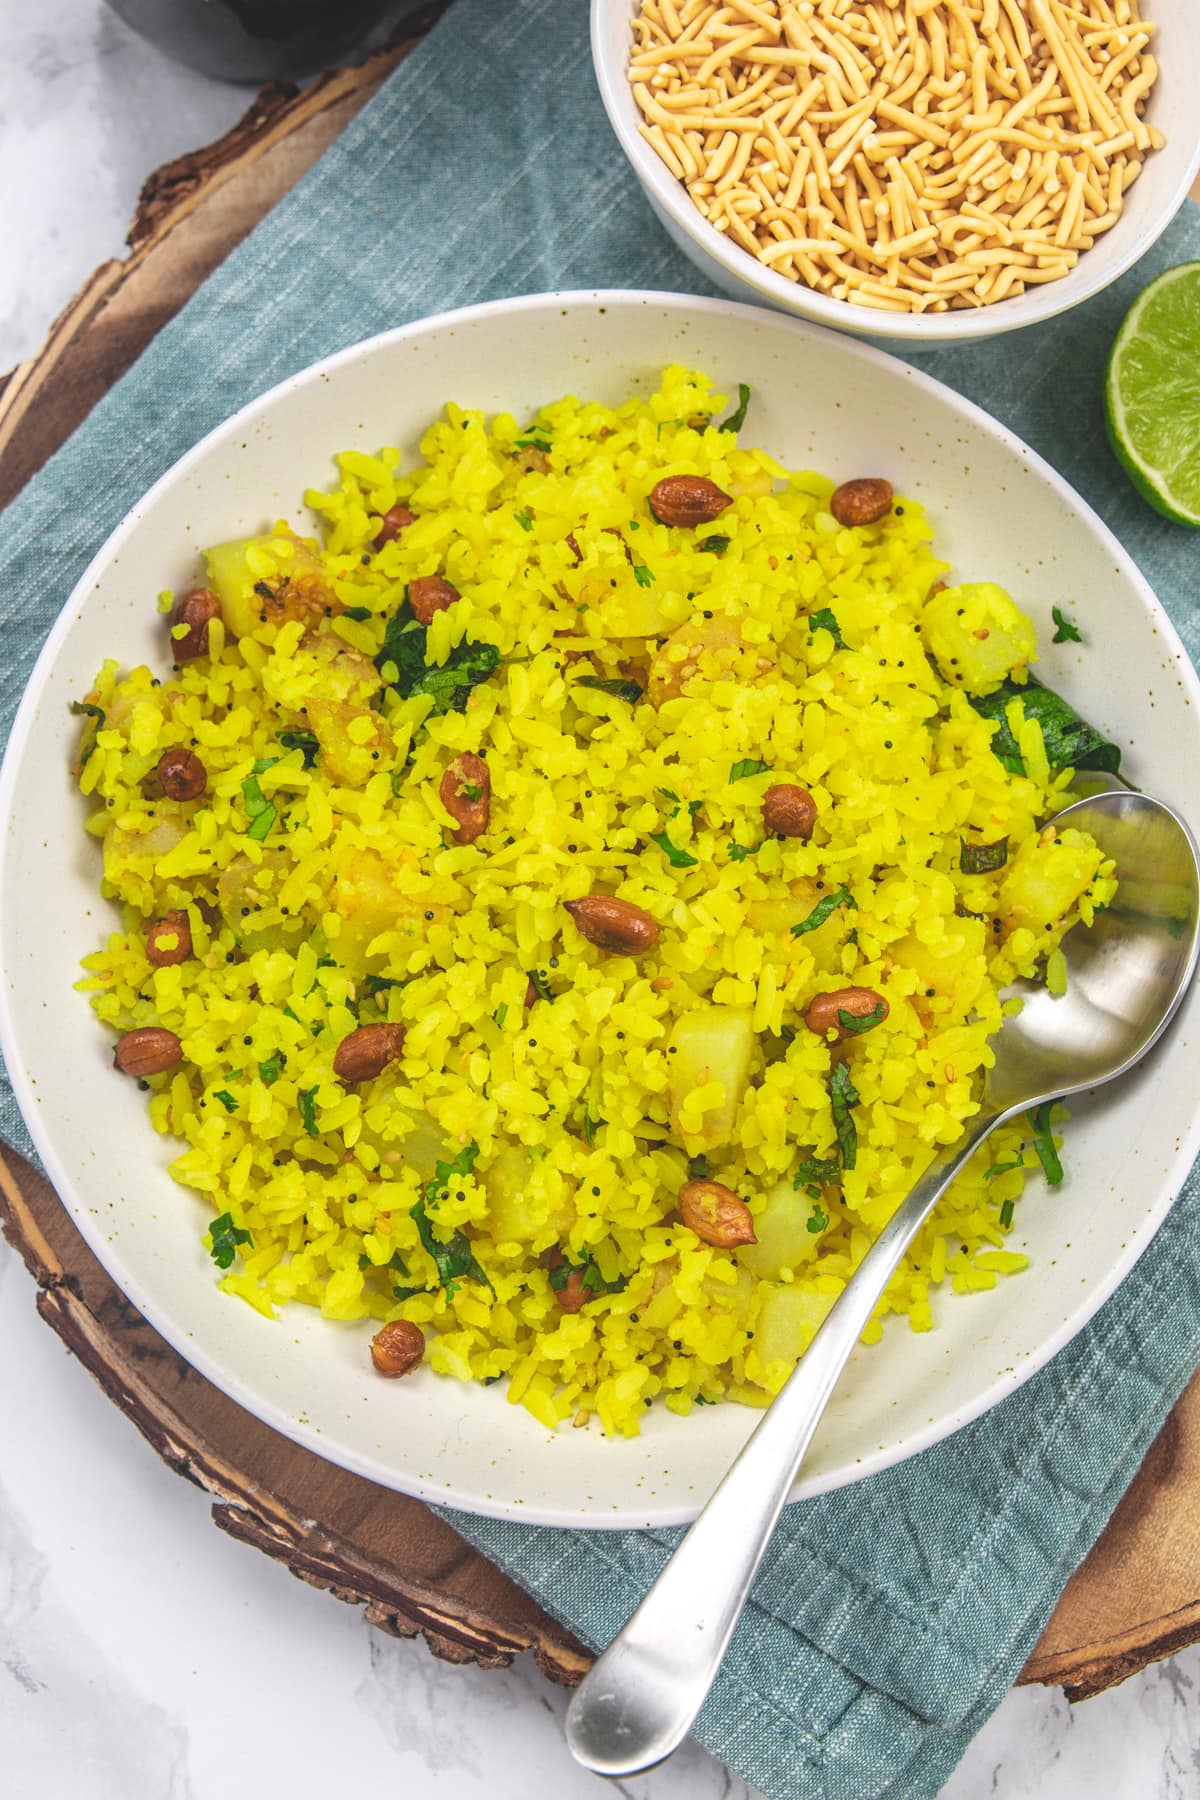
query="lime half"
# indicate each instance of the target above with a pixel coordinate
(1152, 393)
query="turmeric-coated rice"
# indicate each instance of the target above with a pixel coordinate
(618, 696)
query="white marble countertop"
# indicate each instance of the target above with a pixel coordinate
(143, 1655)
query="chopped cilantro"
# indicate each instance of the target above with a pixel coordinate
(539, 984)
(855, 1024)
(454, 1257)
(259, 810)
(818, 1219)
(524, 521)
(824, 620)
(678, 859)
(1067, 631)
(749, 766)
(463, 1163)
(1043, 1143)
(642, 575)
(737, 418)
(983, 859)
(1002, 1168)
(228, 1100)
(824, 909)
(589, 1128)
(272, 1069)
(308, 1110)
(739, 852)
(358, 613)
(531, 443)
(621, 690)
(815, 1168)
(450, 685)
(698, 1168)
(714, 545)
(591, 1278)
(1006, 1215)
(304, 741)
(501, 1012)
(225, 1237)
(842, 1096)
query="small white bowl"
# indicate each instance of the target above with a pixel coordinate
(1150, 205)
(820, 401)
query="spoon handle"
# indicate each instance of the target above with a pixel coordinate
(639, 1699)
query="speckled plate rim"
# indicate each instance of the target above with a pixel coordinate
(229, 1380)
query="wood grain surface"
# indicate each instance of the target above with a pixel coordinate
(1135, 1598)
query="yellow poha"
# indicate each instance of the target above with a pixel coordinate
(509, 1181)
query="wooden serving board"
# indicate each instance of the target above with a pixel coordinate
(1136, 1598)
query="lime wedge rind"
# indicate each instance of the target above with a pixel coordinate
(1152, 394)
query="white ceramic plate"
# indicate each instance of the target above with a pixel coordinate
(819, 401)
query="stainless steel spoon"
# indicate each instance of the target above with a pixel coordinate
(1127, 974)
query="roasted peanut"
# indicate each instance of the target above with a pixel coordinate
(466, 794)
(715, 1214)
(147, 1051)
(862, 502)
(572, 1294)
(193, 609)
(181, 774)
(687, 500)
(169, 940)
(397, 1348)
(789, 811)
(429, 594)
(613, 924)
(367, 1052)
(392, 524)
(857, 1003)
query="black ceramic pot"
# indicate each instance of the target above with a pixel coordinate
(258, 40)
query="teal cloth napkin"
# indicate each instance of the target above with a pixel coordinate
(888, 1619)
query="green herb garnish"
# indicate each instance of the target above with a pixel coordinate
(983, 859)
(228, 1100)
(1068, 632)
(842, 1096)
(604, 684)
(749, 766)
(539, 984)
(824, 909)
(531, 443)
(714, 545)
(304, 741)
(259, 810)
(226, 1236)
(1043, 1143)
(737, 418)
(463, 1163)
(678, 859)
(699, 1168)
(856, 1024)
(590, 1126)
(816, 1168)
(359, 613)
(524, 521)
(642, 575)
(468, 664)
(273, 1068)
(306, 1099)
(501, 1012)
(1002, 1168)
(739, 852)
(824, 620)
(591, 1278)
(454, 1259)
(376, 984)
(1006, 1215)
(1071, 743)
(818, 1219)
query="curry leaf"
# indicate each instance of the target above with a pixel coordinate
(842, 1096)
(824, 909)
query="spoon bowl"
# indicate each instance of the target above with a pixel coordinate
(1126, 975)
